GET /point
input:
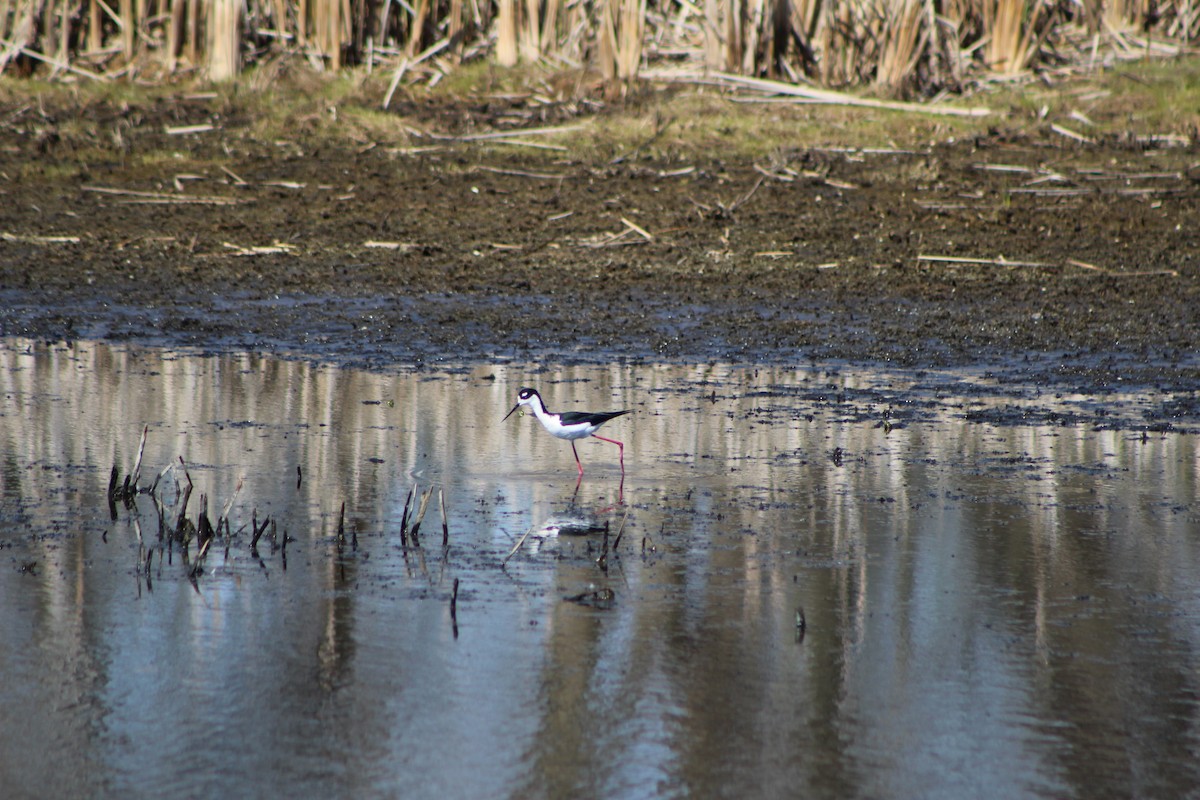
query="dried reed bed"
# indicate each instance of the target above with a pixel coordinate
(902, 47)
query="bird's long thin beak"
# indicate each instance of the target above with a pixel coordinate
(510, 413)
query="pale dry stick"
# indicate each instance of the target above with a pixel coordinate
(396, 78)
(614, 240)
(279, 248)
(408, 64)
(545, 176)
(1070, 134)
(401, 246)
(137, 467)
(999, 262)
(420, 515)
(229, 504)
(158, 479)
(12, 237)
(1052, 192)
(840, 98)
(517, 546)
(1003, 168)
(16, 48)
(620, 530)
(184, 130)
(773, 175)
(476, 137)
(638, 229)
(1135, 274)
(168, 199)
(746, 198)
(536, 145)
(237, 179)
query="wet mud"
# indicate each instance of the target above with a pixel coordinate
(1027, 258)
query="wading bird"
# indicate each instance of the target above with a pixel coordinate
(569, 425)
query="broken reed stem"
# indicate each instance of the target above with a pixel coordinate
(404, 517)
(137, 467)
(620, 530)
(228, 505)
(517, 546)
(445, 524)
(420, 516)
(602, 561)
(256, 530)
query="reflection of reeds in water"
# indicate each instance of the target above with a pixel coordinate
(898, 45)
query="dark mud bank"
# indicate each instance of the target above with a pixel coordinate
(1065, 266)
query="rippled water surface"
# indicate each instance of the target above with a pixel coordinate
(988, 608)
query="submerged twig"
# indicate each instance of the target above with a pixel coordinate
(620, 530)
(517, 546)
(445, 524)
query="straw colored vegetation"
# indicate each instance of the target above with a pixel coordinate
(556, 115)
(914, 48)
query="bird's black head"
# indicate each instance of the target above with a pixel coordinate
(525, 397)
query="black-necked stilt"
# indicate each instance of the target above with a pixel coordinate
(569, 425)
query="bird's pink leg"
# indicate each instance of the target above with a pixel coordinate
(578, 463)
(611, 441)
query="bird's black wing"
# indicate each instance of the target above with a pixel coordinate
(577, 417)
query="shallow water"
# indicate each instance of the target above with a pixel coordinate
(990, 608)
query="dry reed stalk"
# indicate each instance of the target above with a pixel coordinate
(607, 40)
(838, 98)
(417, 26)
(445, 523)
(529, 32)
(622, 29)
(923, 44)
(629, 42)
(455, 27)
(904, 40)
(176, 26)
(128, 25)
(224, 38)
(1010, 27)
(733, 27)
(327, 30)
(1125, 14)
(506, 39)
(714, 50)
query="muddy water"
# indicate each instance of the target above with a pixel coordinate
(990, 607)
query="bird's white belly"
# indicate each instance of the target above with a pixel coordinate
(573, 432)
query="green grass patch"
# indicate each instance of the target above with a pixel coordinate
(289, 102)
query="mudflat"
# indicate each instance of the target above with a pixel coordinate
(1030, 256)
